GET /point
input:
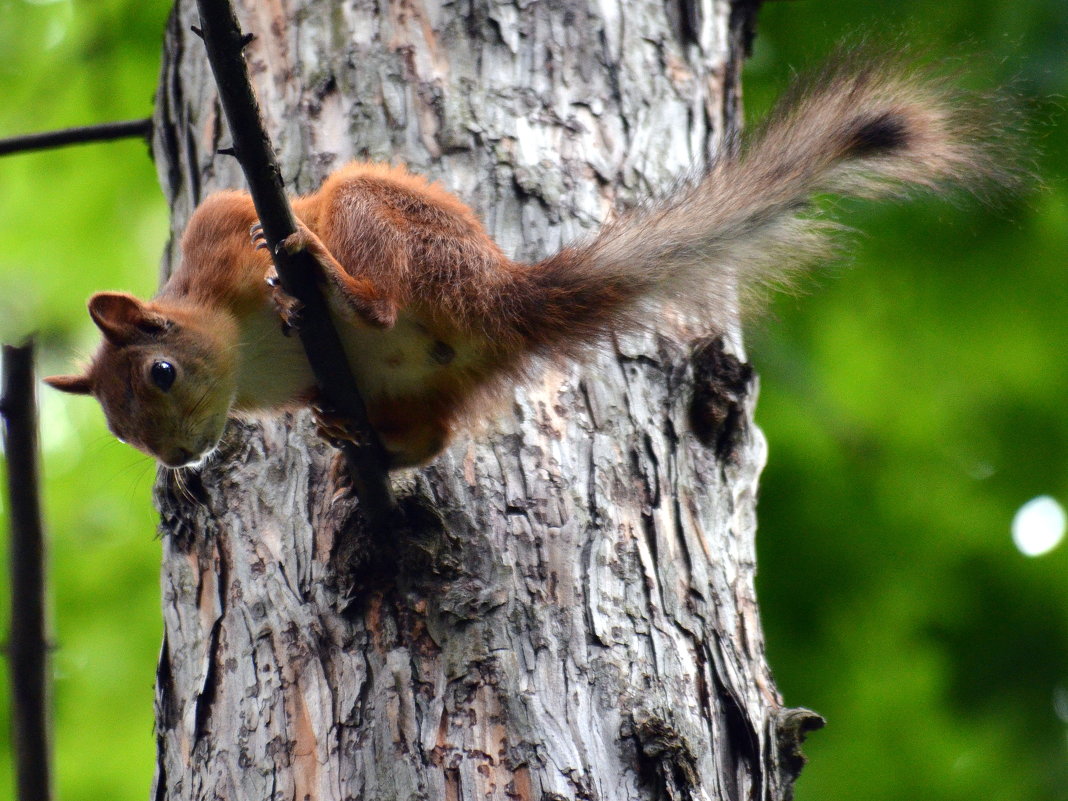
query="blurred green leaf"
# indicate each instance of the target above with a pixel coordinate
(77, 220)
(913, 404)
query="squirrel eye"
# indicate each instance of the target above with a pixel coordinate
(163, 374)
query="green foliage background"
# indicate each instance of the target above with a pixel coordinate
(912, 404)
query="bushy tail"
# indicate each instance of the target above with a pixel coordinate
(856, 128)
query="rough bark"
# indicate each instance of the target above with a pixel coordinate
(570, 613)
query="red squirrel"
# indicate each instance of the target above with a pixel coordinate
(431, 311)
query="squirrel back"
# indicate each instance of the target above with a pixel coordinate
(434, 315)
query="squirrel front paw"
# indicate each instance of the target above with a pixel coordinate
(289, 309)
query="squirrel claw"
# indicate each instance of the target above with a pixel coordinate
(291, 314)
(331, 426)
(259, 239)
(288, 307)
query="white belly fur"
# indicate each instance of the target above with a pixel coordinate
(272, 369)
(397, 362)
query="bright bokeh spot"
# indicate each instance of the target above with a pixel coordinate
(1038, 526)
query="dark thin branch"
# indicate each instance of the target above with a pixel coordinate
(28, 643)
(105, 132)
(224, 43)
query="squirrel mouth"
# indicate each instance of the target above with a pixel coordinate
(180, 457)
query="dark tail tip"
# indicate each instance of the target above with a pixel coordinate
(877, 135)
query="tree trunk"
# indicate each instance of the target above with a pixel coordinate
(570, 613)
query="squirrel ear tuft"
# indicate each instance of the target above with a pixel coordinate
(123, 317)
(74, 384)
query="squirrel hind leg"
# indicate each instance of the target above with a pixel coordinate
(409, 434)
(359, 299)
(354, 297)
(416, 445)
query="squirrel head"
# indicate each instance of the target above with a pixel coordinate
(164, 376)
